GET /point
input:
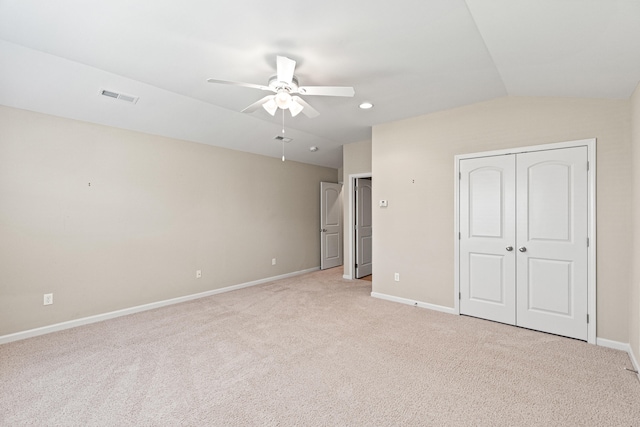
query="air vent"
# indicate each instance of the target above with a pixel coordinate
(121, 96)
(282, 138)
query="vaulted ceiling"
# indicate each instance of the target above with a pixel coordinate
(407, 57)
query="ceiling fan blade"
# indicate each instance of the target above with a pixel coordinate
(308, 110)
(253, 107)
(327, 90)
(285, 68)
(251, 85)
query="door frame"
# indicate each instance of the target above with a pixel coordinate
(591, 250)
(349, 271)
(358, 210)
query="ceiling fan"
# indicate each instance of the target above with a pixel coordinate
(285, 84)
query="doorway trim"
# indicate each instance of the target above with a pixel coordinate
(349, 272)
(591, 252)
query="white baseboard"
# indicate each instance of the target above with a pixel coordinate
(414, 303)
(616, 345)
(131, 310)
(347, 276)
(634, 361)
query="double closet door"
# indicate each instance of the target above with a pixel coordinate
(523, 240)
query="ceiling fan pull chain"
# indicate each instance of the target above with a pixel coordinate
(283, 134)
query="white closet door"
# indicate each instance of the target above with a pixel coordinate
(487, 236)
(523, 240)
(552, 230)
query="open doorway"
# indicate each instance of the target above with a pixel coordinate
(363, 229)
(350, 256)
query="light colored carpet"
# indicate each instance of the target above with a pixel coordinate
(314, 350)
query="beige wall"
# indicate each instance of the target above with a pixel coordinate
(356, 159)
(634, 297)
(107, 219)
(413, 168)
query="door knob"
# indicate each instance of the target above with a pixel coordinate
(509, 248)
(522, 249)
(324, 230)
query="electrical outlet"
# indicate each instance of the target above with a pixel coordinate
(48, 299)
(198, 274)
(396, 277)
(273, 261)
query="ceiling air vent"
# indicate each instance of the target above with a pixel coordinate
(121, 96)
(282, 138)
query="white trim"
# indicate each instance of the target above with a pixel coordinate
(348, 273)
(616, 345)
(414, 303)
(592, 256)
(456, 235)
(137, 309)
(593, 244)
(527, 149)
(634, 361)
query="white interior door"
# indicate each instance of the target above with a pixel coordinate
(487, 236)
(330, 225)
(552, 235)
(363, 228)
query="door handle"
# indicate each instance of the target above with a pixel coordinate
(522, 249)
(323, 230)
(509, 248)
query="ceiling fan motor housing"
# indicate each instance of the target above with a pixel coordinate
(278, 86)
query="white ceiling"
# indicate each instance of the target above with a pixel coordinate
(408, 57)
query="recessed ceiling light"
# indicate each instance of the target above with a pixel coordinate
(313, 149)
(366, 105)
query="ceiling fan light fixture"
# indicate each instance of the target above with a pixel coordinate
(295, 108)
(270, 106)
(283, 99)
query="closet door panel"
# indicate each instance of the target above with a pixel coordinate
(552, 232)
(487, 230)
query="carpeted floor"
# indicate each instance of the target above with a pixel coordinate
(314, 350)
